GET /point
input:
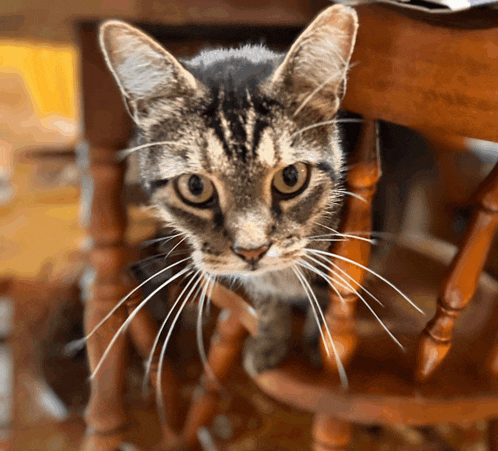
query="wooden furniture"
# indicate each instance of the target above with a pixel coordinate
(107, 129)
(410, 72)
(382, 388)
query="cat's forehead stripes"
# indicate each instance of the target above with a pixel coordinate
(239, 119)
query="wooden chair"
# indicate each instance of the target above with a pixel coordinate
(107, 130)
(428, 76)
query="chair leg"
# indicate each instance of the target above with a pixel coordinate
(348, 276)
(226, 346)
(143, 332)
(330, 434)
(493, 434)
(105, 220)
(461, 282)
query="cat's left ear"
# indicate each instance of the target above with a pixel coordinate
(313, 73)
(143, 69)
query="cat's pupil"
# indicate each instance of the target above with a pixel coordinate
(195, 185)
(290, 175)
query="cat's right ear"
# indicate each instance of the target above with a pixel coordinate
(313, 73)
(142, 68)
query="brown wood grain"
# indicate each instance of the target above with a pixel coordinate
(424, 76)
(405, 70)
(348, 277)
(463, 276)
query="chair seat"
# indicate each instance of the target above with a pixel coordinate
(382, 389)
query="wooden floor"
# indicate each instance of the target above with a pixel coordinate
(41, 225)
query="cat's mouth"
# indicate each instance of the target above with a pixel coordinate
(235, 265)
(253, 266)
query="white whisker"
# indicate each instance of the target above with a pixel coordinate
(163, 325)
(164, 239)
(340, 257)
(147, 259)
(309, 291)
(161, 357)
(122, 154)
(133, 314)
(320, 124)
(175, 246)
(319, 272)
(329, 240)
(345, 235)
(314, 310)
(361, 287)
(330, 281)
(349, 193)
(120, 303)
(200, 342)
(314, 92)
(327, 234)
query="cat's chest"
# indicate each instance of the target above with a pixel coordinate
(283, 285)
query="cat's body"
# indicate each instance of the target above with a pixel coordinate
(239, 151)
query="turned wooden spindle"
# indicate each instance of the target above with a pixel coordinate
(224, 352)
(362, 180)
(105, 413)
(330, 434)
(463, 276)
(143, 332)
(106, 130)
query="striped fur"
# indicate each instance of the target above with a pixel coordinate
(237, 117)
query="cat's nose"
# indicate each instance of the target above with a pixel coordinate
(251, 255)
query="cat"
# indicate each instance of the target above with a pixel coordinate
(240, 153)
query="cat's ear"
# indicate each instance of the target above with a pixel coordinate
(142, 68)
(313, 73)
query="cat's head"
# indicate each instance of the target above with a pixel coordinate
(242, 164)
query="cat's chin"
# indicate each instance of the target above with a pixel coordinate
(278, 283)
(247, 271)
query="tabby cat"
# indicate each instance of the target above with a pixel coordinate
(240, 153)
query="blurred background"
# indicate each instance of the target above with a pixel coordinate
(42, 241)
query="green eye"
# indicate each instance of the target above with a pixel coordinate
(195, 188)
(291, 178)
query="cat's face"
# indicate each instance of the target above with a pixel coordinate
(242, 165)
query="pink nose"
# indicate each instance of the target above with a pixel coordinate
(251, 255)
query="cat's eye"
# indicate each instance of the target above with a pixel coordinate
(195, 189)
(291, 179)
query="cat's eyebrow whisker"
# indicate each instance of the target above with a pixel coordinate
(309, 291)
(361, 287)
(122, 154)
(321, 124)
(394, 287)
(349, 193)
(330, 282)
(163, 325)
(132, 315)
